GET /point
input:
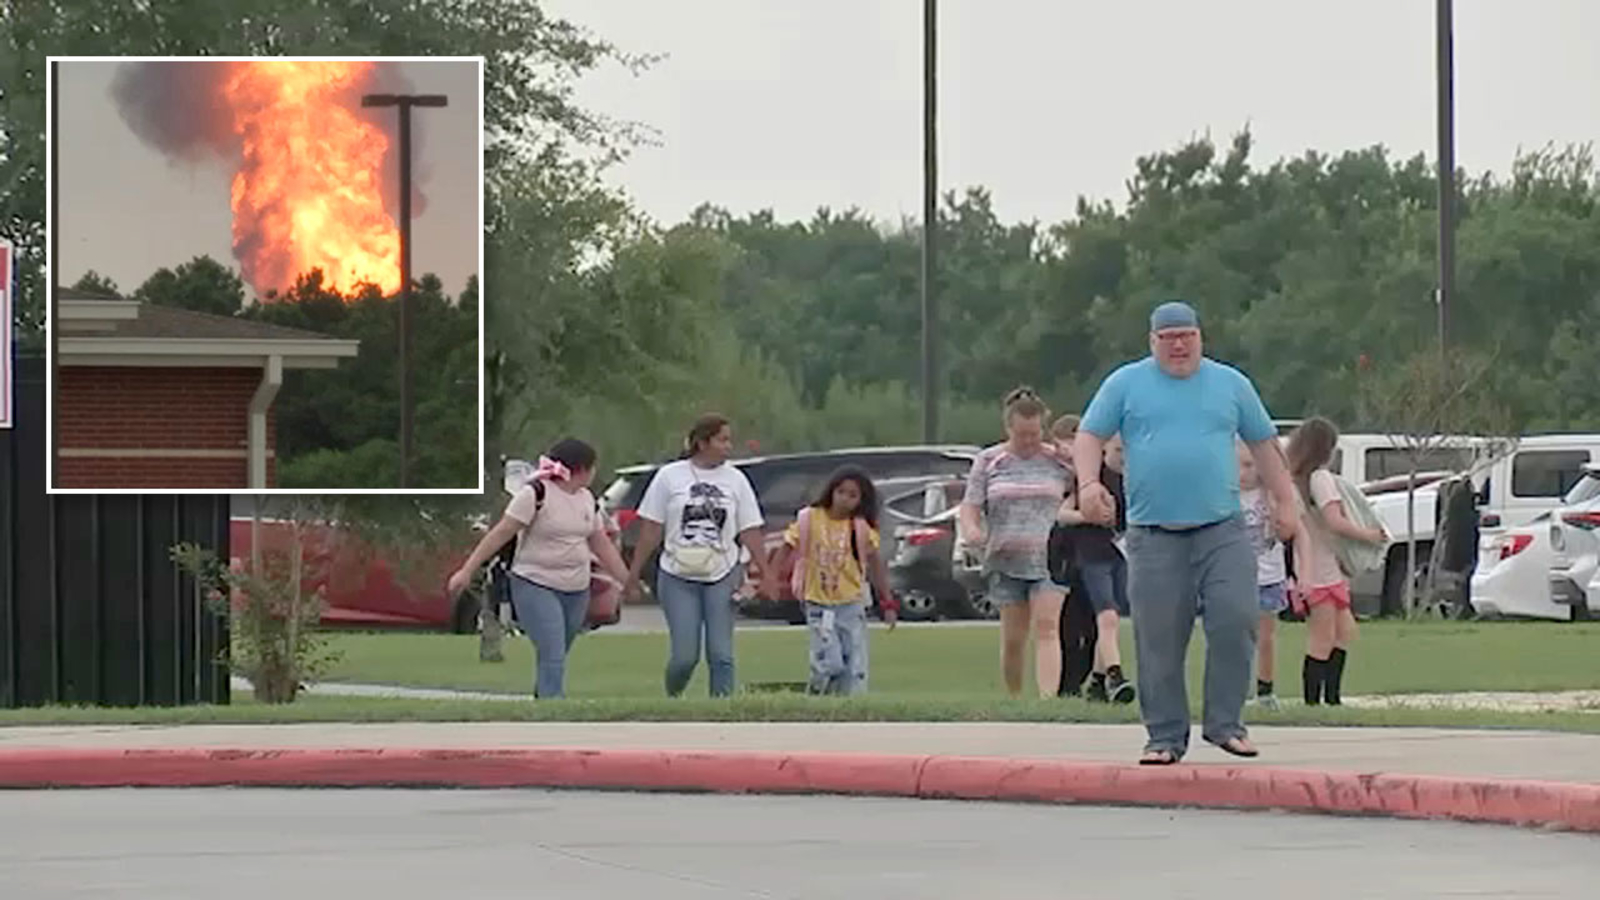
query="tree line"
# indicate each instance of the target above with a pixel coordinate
(1315, 274)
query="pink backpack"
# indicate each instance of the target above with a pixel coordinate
(797, 580)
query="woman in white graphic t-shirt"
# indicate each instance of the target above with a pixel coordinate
(700, 510)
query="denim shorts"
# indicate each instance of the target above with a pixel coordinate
(1008, 590)
(1274, 597)
(1106, 583)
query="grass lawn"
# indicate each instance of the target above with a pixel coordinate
(918, 674)
(753, 708)
(963, 663)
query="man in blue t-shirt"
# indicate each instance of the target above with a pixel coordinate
(1189, 552)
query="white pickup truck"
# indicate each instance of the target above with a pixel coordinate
(1516, 483)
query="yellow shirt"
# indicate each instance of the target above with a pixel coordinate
(833, 574)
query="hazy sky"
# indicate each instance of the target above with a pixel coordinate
(127, 211)
(795, 105)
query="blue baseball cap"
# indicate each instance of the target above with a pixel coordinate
(1174, 314)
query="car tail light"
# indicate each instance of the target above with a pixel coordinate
(1588, 521)
(1511, 545)
(626, 517)
(921, 537)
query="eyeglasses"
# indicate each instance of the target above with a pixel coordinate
(1175, 336)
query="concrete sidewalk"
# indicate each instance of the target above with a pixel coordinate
(1534, 755)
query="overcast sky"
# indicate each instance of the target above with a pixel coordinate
(126, 210)
(795, 105)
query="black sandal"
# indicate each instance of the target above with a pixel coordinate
(1237, 747)
(1158, 758)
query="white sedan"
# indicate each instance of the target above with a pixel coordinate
(1513, 574)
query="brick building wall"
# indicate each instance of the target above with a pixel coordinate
(174, 427)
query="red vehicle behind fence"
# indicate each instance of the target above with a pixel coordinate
(363, 589)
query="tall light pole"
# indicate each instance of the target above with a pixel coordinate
(405, 102)
(930, 216)
(1445, 52)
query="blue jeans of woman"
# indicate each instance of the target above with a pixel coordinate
(552, 619)
(693, 609)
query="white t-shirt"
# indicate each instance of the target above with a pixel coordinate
(701, 507)
(1271, 565)
(554, 551)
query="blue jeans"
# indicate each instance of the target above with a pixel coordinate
(838, 648)
(1172, 577)
(694, 608)
(552, 619)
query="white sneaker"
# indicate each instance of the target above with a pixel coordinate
(1268, 702)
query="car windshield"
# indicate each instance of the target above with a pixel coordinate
(1387, 462)
(1585, 490)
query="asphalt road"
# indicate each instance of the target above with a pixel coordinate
(400, 845)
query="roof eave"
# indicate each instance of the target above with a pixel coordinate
(295, 353)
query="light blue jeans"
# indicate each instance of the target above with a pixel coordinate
(838, 648)
(1172, 577)
(552, 619)
(693, 609)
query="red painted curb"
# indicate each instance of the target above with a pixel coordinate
(1511, 802)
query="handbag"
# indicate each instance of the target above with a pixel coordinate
(605, 602)
(1355, 558)
(696, 560)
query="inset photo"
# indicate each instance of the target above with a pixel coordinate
(267, 275)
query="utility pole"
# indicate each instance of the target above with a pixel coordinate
(405, 102)
(1445, 52)
(930, 216)
(53, 271)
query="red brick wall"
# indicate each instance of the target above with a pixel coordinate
(152, 408)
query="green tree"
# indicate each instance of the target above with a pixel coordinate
(202, 285)
(93, 282)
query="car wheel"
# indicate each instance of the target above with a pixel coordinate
(1394, 578)
(1579, 612)
(976, 605)
(918, 606)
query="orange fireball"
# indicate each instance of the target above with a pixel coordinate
(308, 192)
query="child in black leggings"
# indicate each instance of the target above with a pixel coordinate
(1078, 631)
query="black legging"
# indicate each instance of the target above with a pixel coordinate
(1078, 636)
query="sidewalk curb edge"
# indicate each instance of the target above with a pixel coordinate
(1559, 805)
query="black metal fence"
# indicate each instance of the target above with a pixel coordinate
(92, 609)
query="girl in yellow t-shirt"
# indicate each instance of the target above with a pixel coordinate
(834, 546)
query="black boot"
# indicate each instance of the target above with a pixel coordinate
(1335, 677)
(1312, 674)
